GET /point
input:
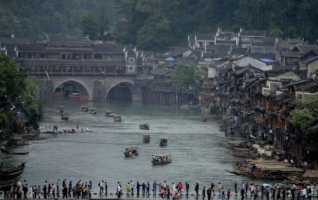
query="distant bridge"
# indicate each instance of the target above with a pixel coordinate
(95, 83)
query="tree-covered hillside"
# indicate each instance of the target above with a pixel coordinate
(153, 24)
(32, 18)
(156, 24)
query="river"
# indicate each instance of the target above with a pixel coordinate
(196, 147)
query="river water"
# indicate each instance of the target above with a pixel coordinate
(196, 147)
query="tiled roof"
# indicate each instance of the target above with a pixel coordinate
(205, 36)
(271, 56)
(31, 47)
(4, 40)
(160, 71)
(259, 33)
(306, 48)
(62, 41)
(101, 63)
(238, 51)
(107, 48)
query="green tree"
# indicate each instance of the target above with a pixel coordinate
(17, 89)
(12, 83)
(89, 25)
(102, 19)
(185, 75)
(305, 117)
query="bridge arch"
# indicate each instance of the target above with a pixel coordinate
(80, 85)
(121, 84)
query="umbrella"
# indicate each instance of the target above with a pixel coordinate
(170, 59)
(265, 184)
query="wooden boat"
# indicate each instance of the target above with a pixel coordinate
(232, 171)
(92, 111)
(244, 153)
(146, 138)
(84, 108)
(12, 170)
(144, 126)
(131, 152)
(69, 131)
(117, 118)
(163, 141)
(109, 113)
(161, 159)
(266, 169)
(10, 177)
(241, 144)
(61, 109)
(12, 173)
(5, 185)
(64, 116)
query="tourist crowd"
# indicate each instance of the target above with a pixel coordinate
(83, 190)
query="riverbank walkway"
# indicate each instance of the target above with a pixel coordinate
(113, 196)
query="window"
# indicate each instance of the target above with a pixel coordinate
(98, 56)
(76, 56)
(43, 55)
(131, 68)
(31, 55)
(111, 57)
(78, 68)
(88, 68)
(66, 56)
(268, 50)
(87, 56)
(257, 50)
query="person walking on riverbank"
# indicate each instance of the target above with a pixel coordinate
(138, 188)
(180, 187)
(143, 188)
(209, 192)
(148, 187)
(106, 188)
(242, 193)
(154, 188)
(128, 188)
(203, 193)
(39, 191)
(187, 188)
(119, 190)
(132, 186)
(101, 187)
(168, 192)
(25, 190)
(53, 190)
(219, 188)
(197, 188)
(212, 189)
(64, 191)
(228, 194)
(235, 188)
(162, 191)
(44, 191)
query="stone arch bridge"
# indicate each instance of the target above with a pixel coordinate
(96, 87)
